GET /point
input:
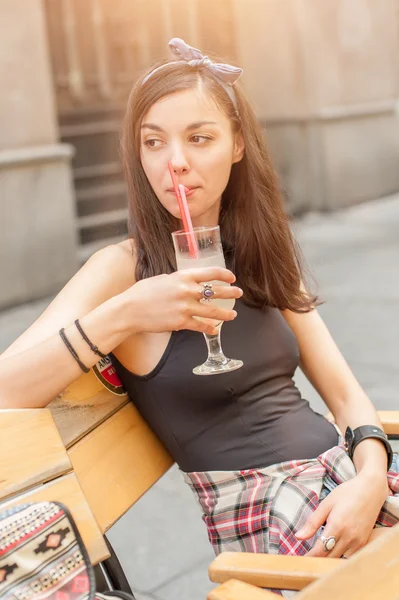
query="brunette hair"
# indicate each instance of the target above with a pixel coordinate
(257, 240)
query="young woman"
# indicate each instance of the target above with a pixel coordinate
(268, 471)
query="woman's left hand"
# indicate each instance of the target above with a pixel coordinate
(349, 513)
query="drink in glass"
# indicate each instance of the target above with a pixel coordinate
(210, 254)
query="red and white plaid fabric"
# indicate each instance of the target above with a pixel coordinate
(259, 510)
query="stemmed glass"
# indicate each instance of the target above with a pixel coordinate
(210, 254)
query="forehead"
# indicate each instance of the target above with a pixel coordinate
(182, 108)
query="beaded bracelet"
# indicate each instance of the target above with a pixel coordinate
(72, 350)
(86, 339)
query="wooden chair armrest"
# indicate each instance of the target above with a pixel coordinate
(371, 574)
(389, 420)
(31, 450)
(267, 570)
(237, 590)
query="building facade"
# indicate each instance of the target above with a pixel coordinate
(323, 77)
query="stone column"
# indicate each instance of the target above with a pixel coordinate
(38, 243)
(323, 77)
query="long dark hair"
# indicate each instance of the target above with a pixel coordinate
(256, 235)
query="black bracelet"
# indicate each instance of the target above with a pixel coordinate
(72, 350)
(86, 339)
(354, 437)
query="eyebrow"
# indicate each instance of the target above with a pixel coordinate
(190, 127)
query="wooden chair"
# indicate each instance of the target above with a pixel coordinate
(91, 450)
(371, 574)
(286, 572)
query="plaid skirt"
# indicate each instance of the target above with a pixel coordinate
(260, 510)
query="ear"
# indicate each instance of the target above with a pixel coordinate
(239, 148)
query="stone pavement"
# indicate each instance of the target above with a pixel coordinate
(354, 256)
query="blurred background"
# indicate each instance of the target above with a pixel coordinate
(323, 77)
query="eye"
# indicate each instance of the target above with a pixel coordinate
(152, 143)
(200, 139)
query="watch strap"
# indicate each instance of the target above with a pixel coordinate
(368, 432)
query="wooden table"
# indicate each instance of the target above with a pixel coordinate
(89, 449)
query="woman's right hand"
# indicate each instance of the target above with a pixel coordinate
(171, 302)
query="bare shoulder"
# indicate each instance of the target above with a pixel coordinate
(116, 263)
(108, 272)
(128, 248)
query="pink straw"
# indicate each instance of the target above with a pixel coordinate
(185, 213)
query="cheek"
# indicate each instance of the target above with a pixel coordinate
(152, 171)
(219, 169)
(155, 175)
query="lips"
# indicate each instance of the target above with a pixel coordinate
(187, 189)
(191, 192)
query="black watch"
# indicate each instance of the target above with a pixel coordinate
(353, 438)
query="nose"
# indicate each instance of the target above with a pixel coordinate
(179, 160)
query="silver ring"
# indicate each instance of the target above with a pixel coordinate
(328, 542)
(207, 292)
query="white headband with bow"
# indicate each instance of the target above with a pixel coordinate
(226, 75)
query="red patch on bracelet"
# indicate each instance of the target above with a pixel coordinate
(105, 372)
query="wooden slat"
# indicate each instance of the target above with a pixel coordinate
(68, 491)
(371, 574)
(237, 590)
(389, 420)
(83, 406)
(117, 463)
(266, 570)
(31, 450)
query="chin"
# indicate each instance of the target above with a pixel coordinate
(172, 209)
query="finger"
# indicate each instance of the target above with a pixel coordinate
(209, 274)
(207, 310)
(342, 543)
(318, 550)
(315, 521)
(347, 546)
(201, 326)
(349, 552)
(352, 549)
(340, 549)
(220, 291)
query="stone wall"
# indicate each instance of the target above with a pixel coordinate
(324, 80)
(38, 249)
(323, 76)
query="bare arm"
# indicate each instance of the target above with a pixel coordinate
(110, 307)
(38, 366)
(329, 373)
(350, 511)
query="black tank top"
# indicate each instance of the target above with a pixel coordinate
(252, 417)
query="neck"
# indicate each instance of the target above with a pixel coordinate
(203, 222)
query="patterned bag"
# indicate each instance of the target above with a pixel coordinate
(42, 556)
